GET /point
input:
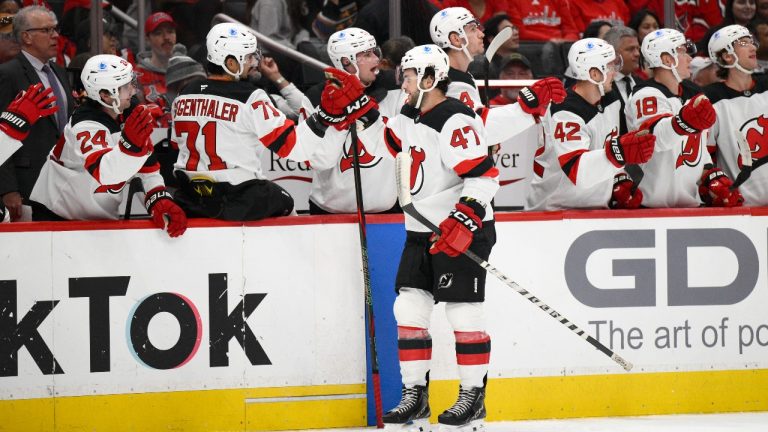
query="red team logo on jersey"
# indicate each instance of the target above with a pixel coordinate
(756, 132)
(417, 169)
(366, 159)
(690, 155)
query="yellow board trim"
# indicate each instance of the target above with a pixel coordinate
(508, 399)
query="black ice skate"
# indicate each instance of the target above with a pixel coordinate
(467, 414)
(412, 413)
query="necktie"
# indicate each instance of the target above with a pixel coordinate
(61, 101)
(627, 85)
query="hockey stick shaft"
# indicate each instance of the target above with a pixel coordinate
(133, 187)
(366, 278)
(403, 168)
(494, 46)
(746, 161)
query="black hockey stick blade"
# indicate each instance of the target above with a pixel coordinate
(403, 172)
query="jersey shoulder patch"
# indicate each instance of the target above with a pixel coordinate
(439, 115)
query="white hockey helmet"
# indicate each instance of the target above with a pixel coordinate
(228, 39)
(665, 41)
(422, 57)
(345, 44)
(451, 20)
(106, 72)
(589, 53)
(724, 39)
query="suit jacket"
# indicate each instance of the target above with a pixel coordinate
(19, 173)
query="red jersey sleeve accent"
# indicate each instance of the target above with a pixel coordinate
(569, 162)
(93, 161)
(478, 167)
(281, 140)
(155, 167)
(394, 145)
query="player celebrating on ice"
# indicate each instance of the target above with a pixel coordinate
(223, 123)
(460, 34)
(23, 112)
(86, 172)
(680, 160)
(453, 180)
(582, 160)
(740, 103)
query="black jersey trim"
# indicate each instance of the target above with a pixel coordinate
(438, 115)
(465, 77)
(237, 90)
(92, 111)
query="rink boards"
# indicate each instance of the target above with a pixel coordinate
(114, 326)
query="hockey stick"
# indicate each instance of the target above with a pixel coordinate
(494, 46)
(366, 278)
(746, 161)
(403, 171)
(134, 186)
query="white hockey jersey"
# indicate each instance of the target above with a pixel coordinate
(672, 175)
(746, 114)
(571, 169)
(333, 185)
(221, 128)
(86, 171)
(8, 147)
(502, 122)
(449, 154)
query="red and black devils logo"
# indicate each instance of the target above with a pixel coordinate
(690, 155)
(756, 133)
(611, 137)
(417, 169)
(366, 159)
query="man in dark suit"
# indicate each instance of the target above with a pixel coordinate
(36, 29)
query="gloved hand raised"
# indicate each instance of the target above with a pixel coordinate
(458, 229)
(26, 109)
(344, 96)
(695, 116)
(136, 131)
(631, 148)
(164, 210)
(535, 99)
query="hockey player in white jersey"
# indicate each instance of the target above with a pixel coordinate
(581, 162)
(222, 124)
(741, 103)
(86, 172)
(354, 51)
(679, 117)
(460, 34)
(453, 180)
(23, 112)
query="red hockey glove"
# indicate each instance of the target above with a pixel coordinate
(695, 116)
(534, 100)
(625, 195)
(161, 206)
(26, 110)
(631, 148)
(457, 230)
(715, 189)
(347, 95)
(136, 131)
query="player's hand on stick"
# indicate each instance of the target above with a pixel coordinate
(458, 229)
(695, 116)
(535, 99)
(26, 109)
(166, 214)
(625, 195)
(631, 148)
(715, 189)
(136, 131)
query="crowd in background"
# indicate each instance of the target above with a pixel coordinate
(175, 31)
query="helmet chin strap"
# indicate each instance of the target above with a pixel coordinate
(673, 69)
(600, 85)
(239, 70)
(115, 105)
(423, 91)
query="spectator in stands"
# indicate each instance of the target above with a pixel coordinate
(587, 11)
(644, 22)
(624, 41)
(596, 29)
(543, 21)
(513, 67)
(274, 19)
(83, 40)
(741, 12)
(761, 33)
(334, 16)
(160, 30)
(762, 9)
(703, 71)
(35, 28)
(9, 7)
(482, 9)
(9, 46)
(374, 18)
(392, 52)
(494, 26)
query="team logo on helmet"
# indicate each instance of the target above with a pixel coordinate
(233, 32)
(443, 14)
(590, 46)
(342, 35)
(427, 50)
(102, 66)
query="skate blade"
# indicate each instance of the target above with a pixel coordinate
(414, 426)
(473, 426)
